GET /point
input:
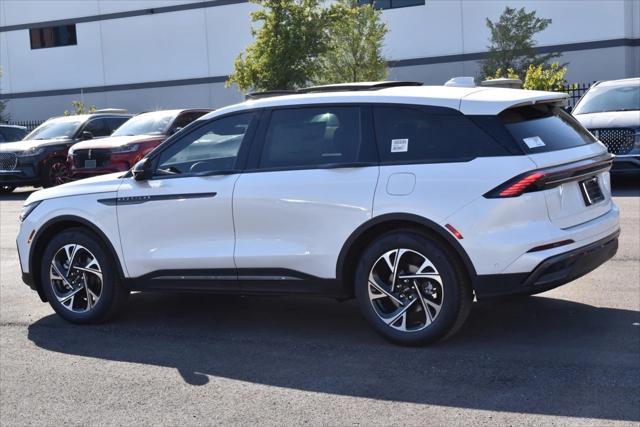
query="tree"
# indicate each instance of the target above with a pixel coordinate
(79, 108)
(354, 48)
(512, 43)
(286, 47)
(550, 78)
(4, 118)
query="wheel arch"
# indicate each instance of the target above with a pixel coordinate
(57, 225)
(365, 233)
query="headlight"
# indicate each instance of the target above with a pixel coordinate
(27, 209)
(33, 151)
(130, 148)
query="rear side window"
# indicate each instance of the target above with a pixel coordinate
(98, 128)
(542, 128)
(310, 137)
(416, 135)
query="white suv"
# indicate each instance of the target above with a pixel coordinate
(410, 198)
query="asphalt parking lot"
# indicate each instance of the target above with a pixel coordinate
(568, 356)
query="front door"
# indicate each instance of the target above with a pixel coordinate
(176, 229)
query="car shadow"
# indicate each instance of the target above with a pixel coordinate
(625, 185)
(534, 355)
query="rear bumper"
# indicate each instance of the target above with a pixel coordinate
(550, 273)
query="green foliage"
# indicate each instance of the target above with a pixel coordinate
(297, 42)
(512, 42)
(287, 43)
(354, 51)
(549, 78)
(4, 118)
(79, 108)
(508, 74)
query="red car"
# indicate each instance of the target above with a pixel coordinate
(129, 143)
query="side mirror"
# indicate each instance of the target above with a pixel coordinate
(87, 135)
(142, 171)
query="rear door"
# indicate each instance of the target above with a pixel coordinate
(311, 184)
(552, 138)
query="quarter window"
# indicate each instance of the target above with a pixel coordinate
(310, 137)
(62, 35)
(415, 135)
(211, 148)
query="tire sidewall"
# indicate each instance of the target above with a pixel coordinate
(6, 189)
(450, 283)
(109, 282)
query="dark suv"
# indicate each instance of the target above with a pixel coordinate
(40, 159)
(11, 133)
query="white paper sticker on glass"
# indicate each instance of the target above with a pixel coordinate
(399, 145)
(534, 142)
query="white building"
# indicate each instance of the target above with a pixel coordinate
(151, 54)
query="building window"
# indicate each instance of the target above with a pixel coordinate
(392, 4)
(63, 35)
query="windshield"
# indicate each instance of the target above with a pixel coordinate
(146, 124)
(55, 129)
(611, 98)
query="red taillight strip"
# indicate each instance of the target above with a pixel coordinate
(542, 179)
(522, 185)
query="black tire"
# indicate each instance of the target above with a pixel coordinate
(112, 295)
(6, 189)
(456, 294)
(55, 172)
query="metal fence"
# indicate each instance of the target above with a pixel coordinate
(575, 92)
(29, 124)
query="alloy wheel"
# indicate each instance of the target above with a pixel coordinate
(76, 278)
(59, 173)
(405, 290)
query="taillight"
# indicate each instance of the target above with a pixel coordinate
(543, 179)
(530, 182)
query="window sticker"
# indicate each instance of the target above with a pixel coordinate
(534, 142)
(399, 145)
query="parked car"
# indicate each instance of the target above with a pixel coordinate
(12, 133)
(611, 112)
(129, 143)
(40, 159)
(410, 198)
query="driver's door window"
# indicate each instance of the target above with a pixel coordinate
(212, 148)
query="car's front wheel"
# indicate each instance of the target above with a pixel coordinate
(411, 289)
(55, 172)
(79, 278)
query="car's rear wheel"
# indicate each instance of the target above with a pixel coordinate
(412, 290)
(79, 278)
(6, 189)
(55, 172)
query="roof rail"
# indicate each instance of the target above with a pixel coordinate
(111, 111)
(269, 93)
(349, 87)
(340, 87)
